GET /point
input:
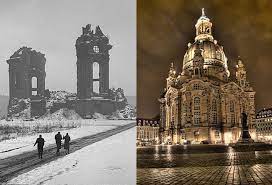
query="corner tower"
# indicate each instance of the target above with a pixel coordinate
(92, 49)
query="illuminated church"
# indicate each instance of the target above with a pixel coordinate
(202, 104)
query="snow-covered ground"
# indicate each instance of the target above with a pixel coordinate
(111, 161)
(25, 143)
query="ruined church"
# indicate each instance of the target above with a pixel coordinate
(27, 93)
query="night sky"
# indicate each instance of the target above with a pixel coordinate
(164, 28)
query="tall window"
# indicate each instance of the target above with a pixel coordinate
(214, 111)
(196, 103)
(197, 110)
(197, 117)
(232, 116)
(231, 106)
(17, 80)
(96, 75)
(34, 85)
(95, 70)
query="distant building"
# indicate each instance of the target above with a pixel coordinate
(264, 125)
(147, 131)
(202, 103)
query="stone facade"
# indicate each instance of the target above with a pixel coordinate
(27, 81)
(202, 103)
(92, 49)
(264, 125)
(93, 93)
(147, 131)
(26, 66)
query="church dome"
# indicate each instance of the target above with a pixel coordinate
(212, 53)
(214, 57)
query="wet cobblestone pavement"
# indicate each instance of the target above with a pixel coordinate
(202, 164)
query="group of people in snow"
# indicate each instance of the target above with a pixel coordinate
(58, 138)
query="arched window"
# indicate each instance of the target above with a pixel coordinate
(34, 86)
(95, 70)
(96, 77)
(196, 103)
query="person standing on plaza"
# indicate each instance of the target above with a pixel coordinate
(40, 143)
(58, 139)
(67, 140)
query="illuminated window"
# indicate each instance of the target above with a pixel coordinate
(232, 118)
(197, 118)
(96, 49)
(196, 103)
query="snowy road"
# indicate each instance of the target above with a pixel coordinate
(15, 165)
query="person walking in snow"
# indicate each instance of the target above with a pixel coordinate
(58, 139)
(40, 143)
(67, 140)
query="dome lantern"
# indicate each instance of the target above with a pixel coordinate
(203, 28)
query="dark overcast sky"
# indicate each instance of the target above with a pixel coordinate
(242, 27)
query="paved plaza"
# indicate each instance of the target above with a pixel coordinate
(202, 164)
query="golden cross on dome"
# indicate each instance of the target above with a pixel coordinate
(203, 12)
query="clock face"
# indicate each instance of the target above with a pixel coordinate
(96, 49)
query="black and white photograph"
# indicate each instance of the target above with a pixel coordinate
(68, 92)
